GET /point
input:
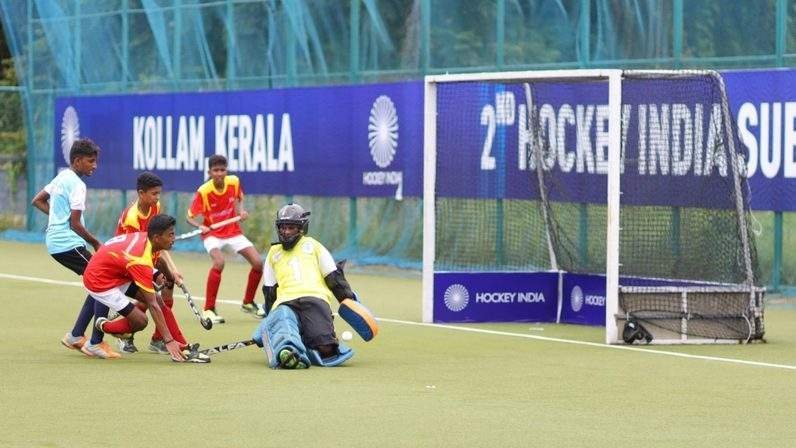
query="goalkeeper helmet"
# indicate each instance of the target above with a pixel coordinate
(634, 331)
(292, 214)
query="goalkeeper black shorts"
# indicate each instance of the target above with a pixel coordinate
(315, 321)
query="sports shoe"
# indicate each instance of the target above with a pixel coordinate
(99, 324)
(158, 346)
(289, 360)
(193, 355)
(211, 314)
(73, 342)
(101, 350)
(127, 345)
(253, 308)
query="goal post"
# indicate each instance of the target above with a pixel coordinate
(612, 210)
(430, 149)
(429, 180)
(589, 196)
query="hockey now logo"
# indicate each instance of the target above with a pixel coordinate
(70, 131)
(383, 144)
(456, 297)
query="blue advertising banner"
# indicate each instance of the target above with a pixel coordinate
(495, 297)
(763, 103)
(675, 150)
(368, 140)
(325, 141)
(528, 297)
(583, 299)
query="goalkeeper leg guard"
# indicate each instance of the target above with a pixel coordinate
(278, 333)
(344, 353)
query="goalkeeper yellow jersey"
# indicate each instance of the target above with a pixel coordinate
(299, 272)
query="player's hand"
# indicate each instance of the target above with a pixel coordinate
(204, 229)
(243, 215)
(160, 279)
(174, 350)
(96, 245)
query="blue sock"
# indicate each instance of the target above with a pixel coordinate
(100, 310)
(83, 319)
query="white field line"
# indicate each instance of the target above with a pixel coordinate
(592, 344)
(483, 331)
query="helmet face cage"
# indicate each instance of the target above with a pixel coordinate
(292, 214)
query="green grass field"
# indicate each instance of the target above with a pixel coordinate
(414, 385)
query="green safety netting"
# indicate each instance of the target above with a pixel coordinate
(73, 47)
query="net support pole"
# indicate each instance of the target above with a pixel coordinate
(429, 196)
(776, 268)
(612, 231)
(736, 162)
(537, 155)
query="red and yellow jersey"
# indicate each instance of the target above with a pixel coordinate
(132, 220)
(217, 205)
(124, 258)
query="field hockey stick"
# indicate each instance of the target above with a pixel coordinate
(213, 226)
(227, 347)
(206, 322)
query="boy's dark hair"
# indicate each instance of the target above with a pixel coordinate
(147, 180)
(216, 159)
(159, 224)
(82, 147)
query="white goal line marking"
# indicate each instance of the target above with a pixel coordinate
(591, 344)
(482, 331)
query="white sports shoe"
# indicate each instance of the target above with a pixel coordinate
(193, 355)
(253, 308)
(211, 314)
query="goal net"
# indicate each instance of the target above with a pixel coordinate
(633, 177)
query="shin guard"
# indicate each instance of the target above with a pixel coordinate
(344, 353)
(280, 331)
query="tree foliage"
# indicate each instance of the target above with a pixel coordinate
(12, 126)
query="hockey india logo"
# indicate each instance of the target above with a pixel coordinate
(383, 131)
(70, 131)
(576, 299)
(456, 297)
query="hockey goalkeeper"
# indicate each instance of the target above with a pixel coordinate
(300, 279)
